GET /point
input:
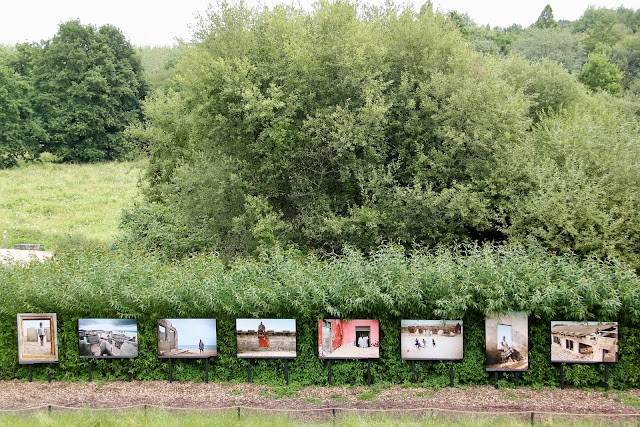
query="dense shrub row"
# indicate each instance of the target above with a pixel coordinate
(466, 283)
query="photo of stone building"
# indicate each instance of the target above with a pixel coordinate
(266, 338)
(348, 339)
(584, 342)
(431, 339)
(187, 338)
(507, 342)
(114, 338)
(37, 338)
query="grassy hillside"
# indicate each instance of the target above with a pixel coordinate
(65, 204)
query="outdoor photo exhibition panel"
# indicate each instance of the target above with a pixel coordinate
(266, 339)
(37, 338)
(431, 339)
(584, 342)
(187, 338)
(507, 342)
(348, 339)
(108, 338)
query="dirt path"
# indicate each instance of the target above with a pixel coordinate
(19, 395)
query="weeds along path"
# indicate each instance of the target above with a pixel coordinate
(24, 396)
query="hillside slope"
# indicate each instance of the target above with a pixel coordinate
(65, 204)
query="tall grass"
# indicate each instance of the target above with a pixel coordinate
(191, 418)
(65, 204)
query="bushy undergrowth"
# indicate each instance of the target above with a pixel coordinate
(465, 283)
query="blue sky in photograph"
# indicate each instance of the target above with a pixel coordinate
(270, 324)
(191, 331)
(128, 325)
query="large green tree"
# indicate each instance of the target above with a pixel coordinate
(18, 128)
(88, 87)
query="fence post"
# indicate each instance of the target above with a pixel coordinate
(533, 414)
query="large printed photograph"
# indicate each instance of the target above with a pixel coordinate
(431, 339)
(187, 338)
(348, 339)
(584, 342)
(507, 342)
(266, 338)
(37, 338)
(108, 338)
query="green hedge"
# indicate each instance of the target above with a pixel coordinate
(467, 282)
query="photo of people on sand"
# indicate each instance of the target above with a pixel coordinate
(507, 342)
(108, 338)
(266, 338)
(37, 338)
(348, 339)
(584, 342)
(187, 338)
(431, 339)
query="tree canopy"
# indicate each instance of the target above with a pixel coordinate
(348, 126)
(86, 88)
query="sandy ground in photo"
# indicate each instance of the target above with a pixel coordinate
(31, 348)
(267, 354)
(190, 353)
(447, 347)
(353, 352)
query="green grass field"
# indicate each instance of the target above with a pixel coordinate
(61, 205)
(229, 418)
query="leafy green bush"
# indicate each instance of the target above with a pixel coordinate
(467, 282)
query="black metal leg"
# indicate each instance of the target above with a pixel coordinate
(90, 369)
(206, 370)
(562, 376)
(369, 372)
(30, 373)
(286, 371)
(495, 379)
(329, 370)
(606, 377)
(248, 370)
(451, 382)
(170, 370)
(129, 370)
(413, 371)
(49, 373)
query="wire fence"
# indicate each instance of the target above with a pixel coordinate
(324, 413)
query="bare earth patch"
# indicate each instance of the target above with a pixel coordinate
(20, 395)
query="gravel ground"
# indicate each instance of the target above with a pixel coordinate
(20, 395)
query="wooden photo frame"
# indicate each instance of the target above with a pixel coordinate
(37, 338)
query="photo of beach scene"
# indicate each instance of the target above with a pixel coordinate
(37, 339)
(431, 339)
(108, 338)
(187, 338)
(584, 342)
(266, 338)
(348, 339)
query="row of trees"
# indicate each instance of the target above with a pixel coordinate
(355, 127)
(603, 45)
(72, 96)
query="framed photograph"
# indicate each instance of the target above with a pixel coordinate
(584, 342)
(266, 338)
(187, 338)
(348, 339)
(507, 342)
(108, 338)
(37, 338)
(431, 339)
